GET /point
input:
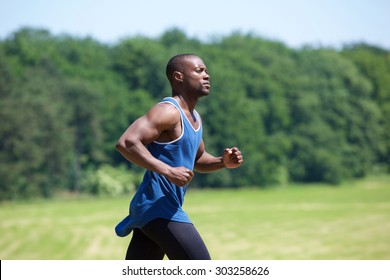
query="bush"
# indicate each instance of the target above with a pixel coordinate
(109, 181)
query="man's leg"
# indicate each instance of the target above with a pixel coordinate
(180, 241)
(142, 247)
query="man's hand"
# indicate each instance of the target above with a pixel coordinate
(232, 158)
(180, 176)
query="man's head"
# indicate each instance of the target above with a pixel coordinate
(176, 64)
(187, 73)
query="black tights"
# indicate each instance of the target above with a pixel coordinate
(179, 241)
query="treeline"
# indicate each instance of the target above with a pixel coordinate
(298, 115)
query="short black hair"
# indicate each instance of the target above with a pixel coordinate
(175, 64)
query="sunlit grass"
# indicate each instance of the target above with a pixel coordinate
(351, 221)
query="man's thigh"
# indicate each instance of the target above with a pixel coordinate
(142, 247)
(179, 241)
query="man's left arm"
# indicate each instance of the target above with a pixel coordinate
(205, 162)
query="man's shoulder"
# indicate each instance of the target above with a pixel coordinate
(164, 112)
(167, 107)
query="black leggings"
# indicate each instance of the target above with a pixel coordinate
(179, 241)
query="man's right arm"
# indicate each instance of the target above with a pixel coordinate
(145, 130)
(132, 145)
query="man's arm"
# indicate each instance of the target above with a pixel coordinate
(205, 162)
(162, 118)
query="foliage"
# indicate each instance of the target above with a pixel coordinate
(109, 181)
(298, 115)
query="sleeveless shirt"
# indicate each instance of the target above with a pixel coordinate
(157, 197)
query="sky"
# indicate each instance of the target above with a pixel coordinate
(319, 23)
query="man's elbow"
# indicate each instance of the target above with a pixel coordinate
(120, 146)
(124, 145)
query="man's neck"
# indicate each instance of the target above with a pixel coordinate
(186, 103)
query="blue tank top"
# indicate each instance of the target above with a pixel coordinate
(157, 197)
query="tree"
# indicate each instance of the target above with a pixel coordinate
(307, 115)
(32, 132)
(374, 63)
(332, 111)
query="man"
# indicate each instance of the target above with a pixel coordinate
(167, 141)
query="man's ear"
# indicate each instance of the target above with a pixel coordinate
(178, 76)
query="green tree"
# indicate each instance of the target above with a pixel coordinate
(309, 115)
(142, 64)
(331, 111)
(34, 136)
(374, 64)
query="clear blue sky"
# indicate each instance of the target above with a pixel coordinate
(293, 22)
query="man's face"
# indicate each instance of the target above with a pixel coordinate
(195, 76)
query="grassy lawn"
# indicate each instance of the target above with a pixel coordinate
(315, 222)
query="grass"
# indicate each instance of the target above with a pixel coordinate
(312, 222)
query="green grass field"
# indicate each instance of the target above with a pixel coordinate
(351, 221)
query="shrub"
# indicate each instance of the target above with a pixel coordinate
(109, 181)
